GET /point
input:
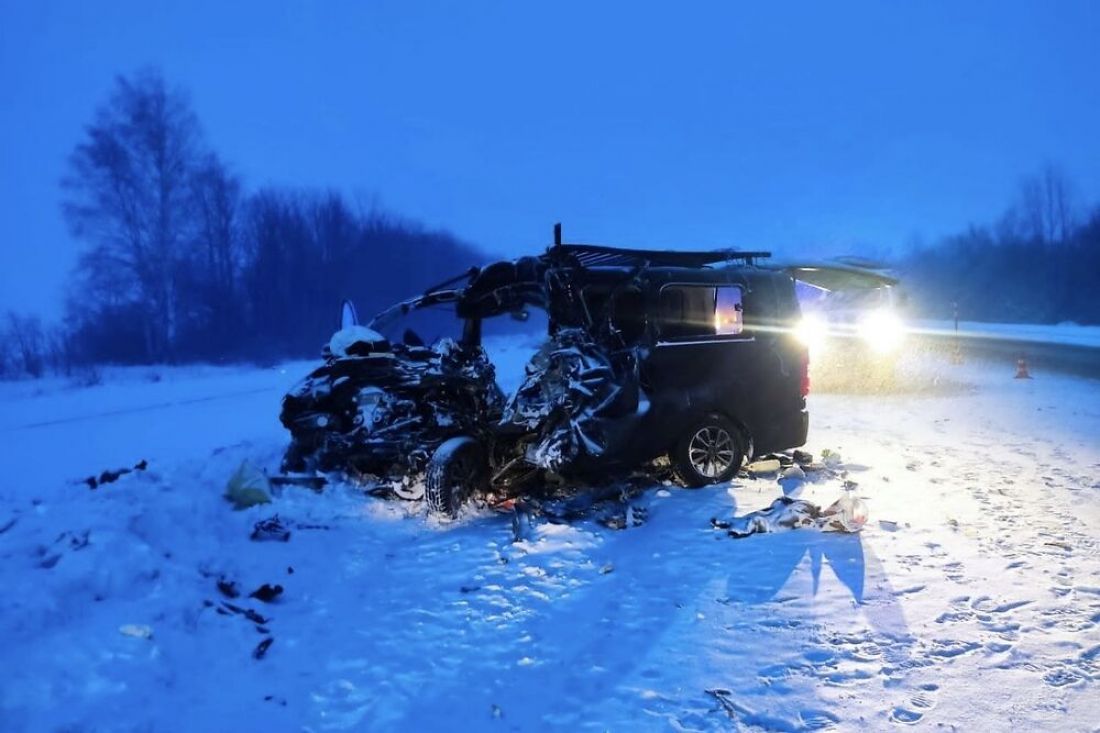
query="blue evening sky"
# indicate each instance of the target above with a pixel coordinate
(805, 128)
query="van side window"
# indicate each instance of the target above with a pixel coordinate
(692, 311)
(728, 311)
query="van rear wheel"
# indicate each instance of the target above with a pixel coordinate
(455, 471)
(710, 452)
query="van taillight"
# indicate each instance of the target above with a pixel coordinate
(806, 373)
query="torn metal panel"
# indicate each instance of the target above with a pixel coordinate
(572, 385)
(381, 408)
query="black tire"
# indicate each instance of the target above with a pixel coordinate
(455, 471)
(711, 451)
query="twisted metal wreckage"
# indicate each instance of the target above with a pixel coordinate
(379, 410)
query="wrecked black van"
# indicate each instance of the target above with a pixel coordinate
(689, 355)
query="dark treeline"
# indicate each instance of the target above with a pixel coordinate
(1040, 263)
(180, 263)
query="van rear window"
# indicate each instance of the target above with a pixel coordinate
(694, 311)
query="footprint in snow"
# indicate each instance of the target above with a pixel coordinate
(817, 719)
(918, 706)
(1061, 677)
(909, 590)
(950, 648)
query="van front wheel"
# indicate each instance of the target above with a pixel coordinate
(710, 452)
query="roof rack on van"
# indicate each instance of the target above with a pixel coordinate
(598, 255)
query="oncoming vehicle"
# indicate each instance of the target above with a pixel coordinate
(852, 319)
(689, 355)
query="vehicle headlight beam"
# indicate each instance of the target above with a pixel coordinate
(882, 330)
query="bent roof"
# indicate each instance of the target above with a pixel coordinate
(598, 255)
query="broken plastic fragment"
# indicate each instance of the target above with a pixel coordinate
(138, 631)
(764, 467)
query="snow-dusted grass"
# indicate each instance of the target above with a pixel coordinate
(972, 598)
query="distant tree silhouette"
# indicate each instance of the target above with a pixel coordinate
(129, 195)
(1039, 264)
(181, 263)
(212, 272)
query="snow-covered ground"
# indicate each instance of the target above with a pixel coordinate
(971, 600)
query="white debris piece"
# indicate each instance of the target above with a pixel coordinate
(792, 478)
(831, 458)
(345, 338)
(138, 631)
(846, 514)
(764, 467)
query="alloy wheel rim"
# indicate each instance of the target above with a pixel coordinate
(711, 451)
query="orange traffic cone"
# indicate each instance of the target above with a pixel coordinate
(1021, 369)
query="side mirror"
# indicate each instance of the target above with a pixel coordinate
(520, 315)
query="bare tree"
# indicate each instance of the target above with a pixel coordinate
(27, 342)
(1044, 211)
(217, 255)
(129, 195)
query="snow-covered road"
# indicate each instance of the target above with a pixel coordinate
(970, 601)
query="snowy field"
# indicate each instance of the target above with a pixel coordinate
(971, 601)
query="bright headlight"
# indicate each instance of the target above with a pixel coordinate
(812, 331)
(882, 330)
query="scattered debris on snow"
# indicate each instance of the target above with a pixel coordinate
(109, 477)
(261, 649)
(267, 593)
(271, 528)
(844, 515)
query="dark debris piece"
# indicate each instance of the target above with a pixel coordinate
(248, 613)
(632, 516)
(267, 593)
(270, 529)
(726, 702)
(109, 477)
(262, 647)
(469, 588)
(228, 588)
